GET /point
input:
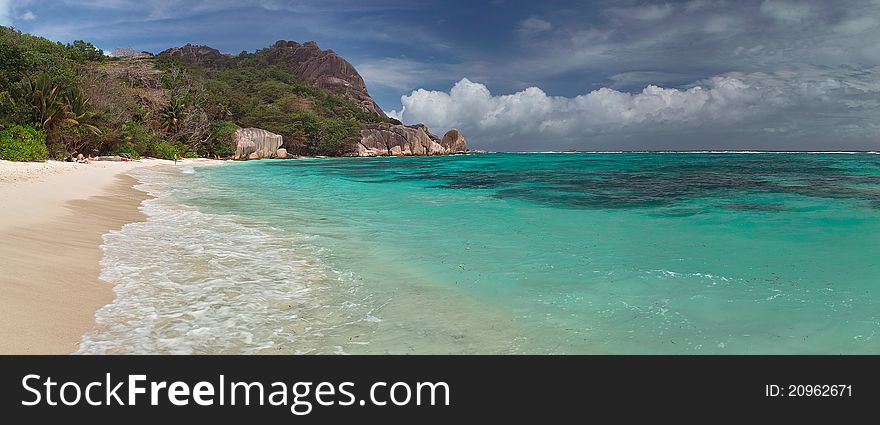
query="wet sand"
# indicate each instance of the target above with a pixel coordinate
(49, 283)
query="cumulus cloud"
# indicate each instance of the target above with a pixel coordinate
(554, 122)
(532, 111)
(396, 115)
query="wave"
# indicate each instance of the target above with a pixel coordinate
(189, 282)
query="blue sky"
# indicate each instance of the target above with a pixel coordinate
(516, 75)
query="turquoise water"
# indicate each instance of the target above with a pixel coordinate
(503, 253)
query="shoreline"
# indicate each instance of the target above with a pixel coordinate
(52, 226)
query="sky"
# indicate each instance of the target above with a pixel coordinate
(552, 75)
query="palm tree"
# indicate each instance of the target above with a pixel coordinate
(172, 115)
(48, 105)
(55, 109)
(78, 111)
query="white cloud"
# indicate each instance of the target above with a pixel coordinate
(530, 111)
(552, 122)
(27, 16)
(396, 115)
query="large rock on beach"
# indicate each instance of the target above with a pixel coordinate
(255, 143)
(454, 141)
(406, 140)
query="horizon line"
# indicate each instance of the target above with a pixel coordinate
(739, 151)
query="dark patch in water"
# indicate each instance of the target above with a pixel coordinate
(626, 180)
(473, 180)
(754, 206)
(680, 212)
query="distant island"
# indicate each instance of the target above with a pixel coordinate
(60, 100)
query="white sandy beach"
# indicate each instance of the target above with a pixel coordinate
(52, 218)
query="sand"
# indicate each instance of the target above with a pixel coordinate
(52, 218)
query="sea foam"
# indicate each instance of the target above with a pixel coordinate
(189, 282)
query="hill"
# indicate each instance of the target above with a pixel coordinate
(190, 101)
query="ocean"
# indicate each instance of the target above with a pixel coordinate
(542, 253)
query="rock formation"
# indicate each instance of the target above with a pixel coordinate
(407, 140)
(454, 141)
(202, 55)
(254, 143)
(325, 68)
(307, 62)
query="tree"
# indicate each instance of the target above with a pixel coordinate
(78, 110)
(78, 113)
(337, 136)
(171, 116)
(48, 105)
(222, 139)
(195, 131)
(87, 51)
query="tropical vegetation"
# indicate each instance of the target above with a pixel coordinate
(23, 143)
(75, 99)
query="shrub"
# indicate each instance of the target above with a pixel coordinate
(57, 150)
(222, 140)
(191, 154)
(139, 137)
(127, 150)
(165, 150)
(337, 136)
(21, 143)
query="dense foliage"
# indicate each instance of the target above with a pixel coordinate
(84, 101)
(40, 87)
(251, 92)
(21, 143)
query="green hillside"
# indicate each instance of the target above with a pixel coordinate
(79, 100)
